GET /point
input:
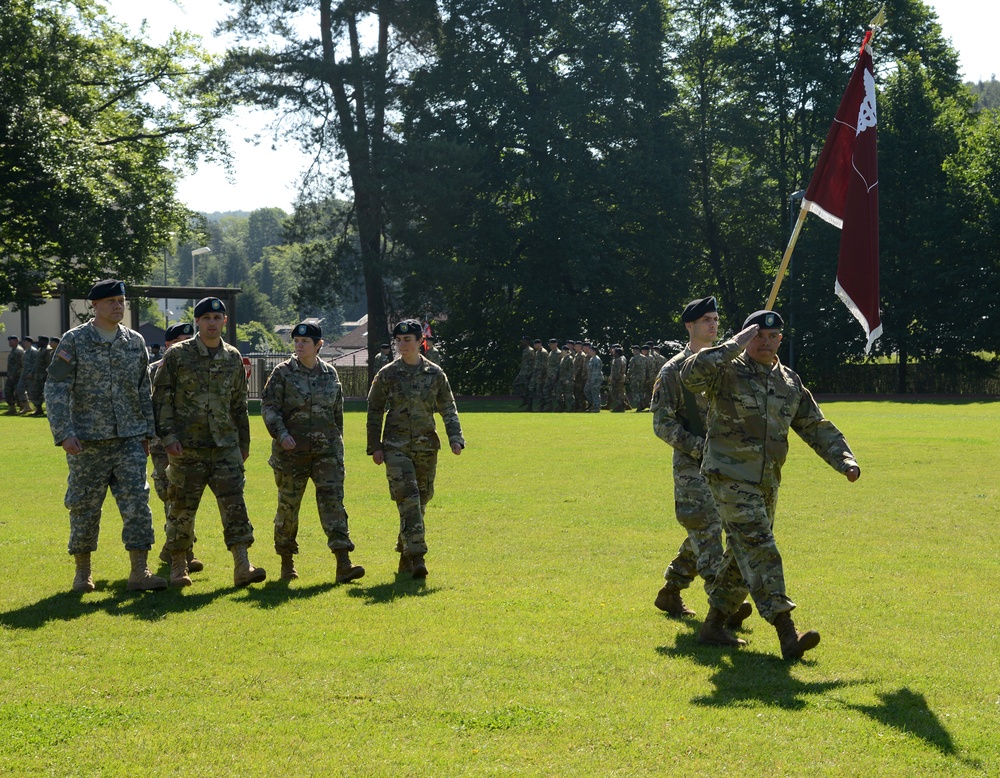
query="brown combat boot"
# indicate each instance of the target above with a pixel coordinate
(735, 621)
(345, 570)
(83, 582)
(417, 567)
(179, 569)
(140, 579)
(793, 644)
(194, 565)
(714, 634)
(404, 563)
(288, 571)
(245, 573)
(668, 599)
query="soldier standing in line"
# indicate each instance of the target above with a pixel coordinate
(26, 382)
(175, 333)
(537, 384)
(579, 377)
(616, 395)
(100, 413)
(680, 419)
(406, 394)
(36, 392)
(200, 402)
(383, 358)
(523, 377)
(551, 376)
(15, 364)
(432, 352)
(564, 385)
(303, 409)
(754, 399)
(595, 377)
(633, 378)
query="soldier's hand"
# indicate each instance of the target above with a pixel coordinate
(245, 454)
(174, 449)
(853, 474)
(378, 457)
(287, 442)
(145, 446)
(456, 449)
(743, 337)
(72, 445)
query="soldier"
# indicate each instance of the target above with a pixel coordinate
(407, 393)
(754, 399)
(154, 351)
(537, 384)
(383, 358)
(551, 376)
(200, 402)
(679, 418)
(564, 384)
(15, 364)
(100, 413)
(523, 377)
(431, 352)
(579, 377)
(303, 409)
(616, 395)
(595, 377)
(633, 378)
(26, 382)
(175, 333)
(36, 392)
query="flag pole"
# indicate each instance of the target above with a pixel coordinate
(786, 258)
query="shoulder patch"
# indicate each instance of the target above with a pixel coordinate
(64, 355)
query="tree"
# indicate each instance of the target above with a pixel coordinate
(93, 127)
(337, 92)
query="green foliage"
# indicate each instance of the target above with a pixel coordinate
(94, 127)
(257, 337)
(987, 93)
(547, 659)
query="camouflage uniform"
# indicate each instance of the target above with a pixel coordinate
(381, 360)
(634, 378)
(595, 377)
(15, 364)
(616, 398)
(579, 381)
(407, 397)
(433, 355)
(26, 383)
(37, 392)
(537, 384)
(98, 392)
(680, 419)
(523, 377)
(564, 385)
(551, 379)
(751, 408)
(307, 404)
(200, 401)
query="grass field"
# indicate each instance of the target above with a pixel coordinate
(533, 647)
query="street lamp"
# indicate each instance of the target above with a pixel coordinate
(197, 253)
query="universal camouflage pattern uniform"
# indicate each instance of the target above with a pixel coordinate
(200, 401)
(579, 380)
(551, 379)
(407, 397)
(15, 364)
(751, 409)
(36, 392)
(523, 377)
(307, 404)
(634, 378)
(537, 384)
(26, 383)
(564, 386)
(98, 392)
(680, 419)
(616, 393)
(592, 389)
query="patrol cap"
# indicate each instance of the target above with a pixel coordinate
(12, 337)
(766, 320)
(179, 330)
(698, 308)
(588, 344)
(553, 340)
(307, 330)
(408, 327)
(209, 305)
(109, 287)
(537, 340)
(635, 348)
(43, 341)
(644, 347)
(28, 338)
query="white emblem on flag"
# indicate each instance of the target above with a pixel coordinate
(866, 111)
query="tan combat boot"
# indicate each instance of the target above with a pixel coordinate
(245, 573)
(417, 567)
(194, 565)
(83, 581)
(345, 570)
(714, 634)
(140, 579)
(735, 621)
(793, 644)
(668, 599)
(404, 563)
(288, 571)
(179, 569)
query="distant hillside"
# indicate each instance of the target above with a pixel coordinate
(987, 93)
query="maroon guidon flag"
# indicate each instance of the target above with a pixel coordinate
(844, 192)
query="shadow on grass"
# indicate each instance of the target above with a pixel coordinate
(146, 606)
(402, 586)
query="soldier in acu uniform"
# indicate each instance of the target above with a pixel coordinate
(523, 377)
(15, 364)
(537, 383)
(36, 392)
(754, 399)
(406, 394)
(679, 418)
(100, 413)
(383, 358)
(25, 384)
(303, 409)
(200, 401)
(616, 394)
(595, 377)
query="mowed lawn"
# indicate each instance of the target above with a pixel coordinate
(533, 647)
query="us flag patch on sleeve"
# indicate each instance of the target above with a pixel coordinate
(64, 355)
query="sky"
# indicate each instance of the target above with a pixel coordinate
(265, 175)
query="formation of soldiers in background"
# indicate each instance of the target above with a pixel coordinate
(27, 363)
(570, 378)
